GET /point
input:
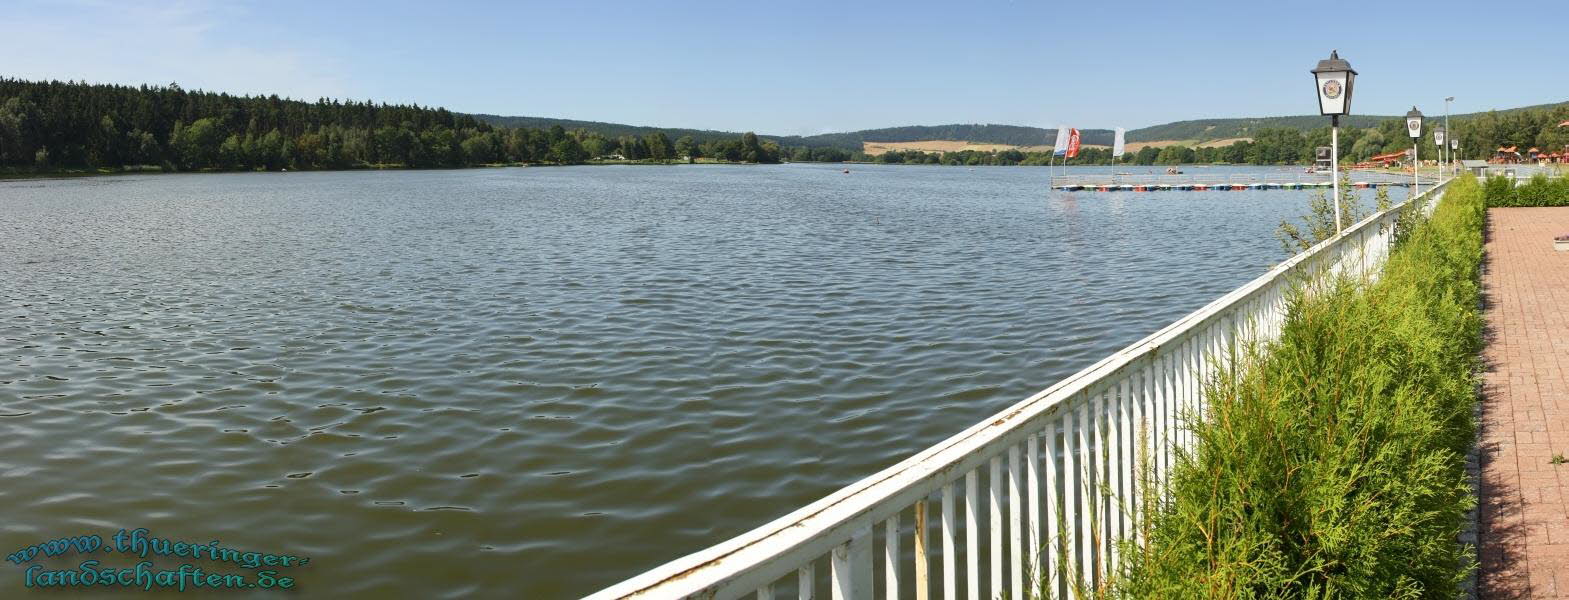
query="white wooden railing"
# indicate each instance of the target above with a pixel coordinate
(1048, 486)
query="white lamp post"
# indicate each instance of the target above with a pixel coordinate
(1414, 127)
(1333, 78)
(1454, 151)
(1438, 140)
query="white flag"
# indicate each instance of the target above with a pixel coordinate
(1062, 140)
(1118, 145)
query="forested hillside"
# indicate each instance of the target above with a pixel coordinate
(47, 126)
(605, 129)
(1219, 129)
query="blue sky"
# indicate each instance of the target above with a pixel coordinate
(811, 67)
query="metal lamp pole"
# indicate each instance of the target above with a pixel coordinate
(1448, 156)
(1334, 165)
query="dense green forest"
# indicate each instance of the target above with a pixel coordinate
(48, 126)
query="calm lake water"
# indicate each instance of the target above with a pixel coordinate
(537, 382)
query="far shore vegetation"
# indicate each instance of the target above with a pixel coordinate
(53, 128)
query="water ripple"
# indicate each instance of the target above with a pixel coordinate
(580, 372)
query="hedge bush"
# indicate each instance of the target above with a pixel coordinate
(1333, 465)
(1540, 190)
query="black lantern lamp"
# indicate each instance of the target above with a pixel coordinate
(1334, 77)
(1414, 123)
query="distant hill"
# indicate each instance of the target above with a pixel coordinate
(1011, 135)
(1199, 130)
(611, 130)
(1211, 129)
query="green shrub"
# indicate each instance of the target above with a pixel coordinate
(1540, 190)
(1332, 465)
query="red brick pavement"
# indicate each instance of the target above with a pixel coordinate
(1523, 527)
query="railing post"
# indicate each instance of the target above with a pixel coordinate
(1070, 501)
(1053, 507)
(1015, 522)
(996, 530)
(1101, 415)
(1032, 487)
(950, 557)
(1124, 463)
(1086, 491)
(1168, 416)
(852, 566)
(972, 533)
(805, 581)
(923, 568)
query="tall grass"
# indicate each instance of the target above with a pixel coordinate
(1332, 463)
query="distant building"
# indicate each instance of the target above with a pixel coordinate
(1475, 167)
(1321, 158)
(1391, 159)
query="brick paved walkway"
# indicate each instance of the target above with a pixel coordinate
(1524, 515)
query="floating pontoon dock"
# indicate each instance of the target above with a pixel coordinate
(1216, 182)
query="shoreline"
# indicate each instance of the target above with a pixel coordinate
(73, 173)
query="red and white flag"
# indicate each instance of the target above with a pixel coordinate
(1073, 143)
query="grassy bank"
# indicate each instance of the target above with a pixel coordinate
(1333, 465)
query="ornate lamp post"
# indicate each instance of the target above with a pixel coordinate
(1414, 127)
(1333, 78)
(1438, 140)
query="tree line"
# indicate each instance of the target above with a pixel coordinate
(61, 125)
(1480, 135)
